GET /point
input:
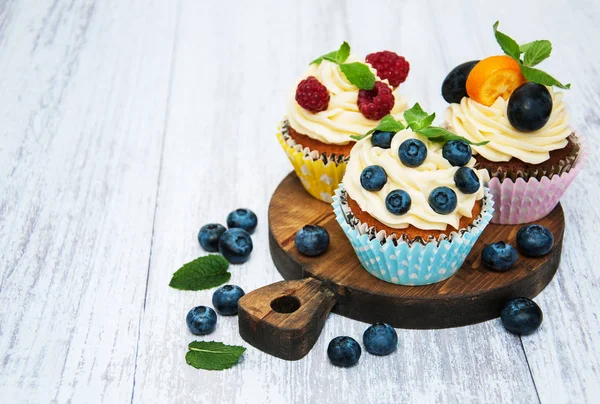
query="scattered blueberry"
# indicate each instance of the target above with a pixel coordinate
(442, 200)
(243, 219)
(201, 320)
(521, 316)
(209, 235)
(225, 299)
(466, 180)
(312, 240)
(529, 107)
(373, 178)
(499, 256)
(534, 240)
(412, 152)
(380, 339)
(457, 152)
(343, 351)
(398, 202)
(235, 245)
(382, 139)
(454, 87)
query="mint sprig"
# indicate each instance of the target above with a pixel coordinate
(212, 355)
(358, 74)
(337, 56)
(202, 273)
(441, 135)
(534, 53)
(418, 119)
(387, 124)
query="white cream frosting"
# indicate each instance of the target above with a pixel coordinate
(478, 123)
(418, 182)
(342, 117)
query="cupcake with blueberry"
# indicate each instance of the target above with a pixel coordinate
(338, 97)
(533, 153)
(413, 207)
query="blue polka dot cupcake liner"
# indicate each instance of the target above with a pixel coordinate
(411, 264)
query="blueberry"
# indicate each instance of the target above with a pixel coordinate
(380, 339)
(225, 299)
(382, 139)
(235, 245)
(312, 240)
(412, 152)
(521, 316)
(243, 219)
(373, 178)
(457, 152)
(209, 236)
(499, 256)
(466, 180)
(529, 107)
(343, 351)
(398, 202)
(201, 320)
(534, 240)
(454, 87)
(442, 200)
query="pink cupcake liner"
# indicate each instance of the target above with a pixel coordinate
(527, 201)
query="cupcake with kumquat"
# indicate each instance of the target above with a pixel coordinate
(533, 153)
(338, 96)
(413, 207)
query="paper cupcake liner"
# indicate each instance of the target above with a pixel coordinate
(416, 264)
(320, 174)
(523, 201)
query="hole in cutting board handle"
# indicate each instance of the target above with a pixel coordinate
(285, 304)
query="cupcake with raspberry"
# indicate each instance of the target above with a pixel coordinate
(339, 97)
(414, 207)
(533, 153)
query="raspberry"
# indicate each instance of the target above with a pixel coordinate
(376, 103)
(389, 66)
(312, 95)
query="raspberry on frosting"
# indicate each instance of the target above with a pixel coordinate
(376, 103)
(390, 66)
(312, 95)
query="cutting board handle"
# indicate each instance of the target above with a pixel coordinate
(285, 318)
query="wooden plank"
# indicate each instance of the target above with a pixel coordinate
(83, 94)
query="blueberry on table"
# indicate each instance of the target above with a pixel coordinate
(534, 240)
(521, 316)
(442, 200)
(380, 339)
(412, 152)
(225, 299)
(457, 152)
(382, 139)
(466, 180)
(209, 235)
(312, 240)
(343, 351)
(454, 87)
(529, 107)
(235, 245)
(398, 202)
(499, 256)
(243, 219)
(201, 320)
(373, 178)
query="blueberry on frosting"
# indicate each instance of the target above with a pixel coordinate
(382, 139)
(373, 178)
(398, 202)
(457, 152)
(466, 180)
(412, 152)
(442, 200)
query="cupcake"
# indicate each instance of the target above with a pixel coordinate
(338, 97)
(533, 153)
(413, 208)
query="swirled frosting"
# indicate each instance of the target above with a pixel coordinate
(418, 182)
(477, 123)
(342, 118)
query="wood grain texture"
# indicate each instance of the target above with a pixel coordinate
(88, 90)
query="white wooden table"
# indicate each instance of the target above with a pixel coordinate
(126, 125)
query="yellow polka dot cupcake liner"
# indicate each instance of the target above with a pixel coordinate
(319, 175)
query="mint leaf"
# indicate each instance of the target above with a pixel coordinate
(387, 124)
(359, 75)
(536, 52)
(417, 119)
(202, 273)
(540, 77)
(212, 355)
(338, 56)
(523, 48)
(441, 135)
(508, 45)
